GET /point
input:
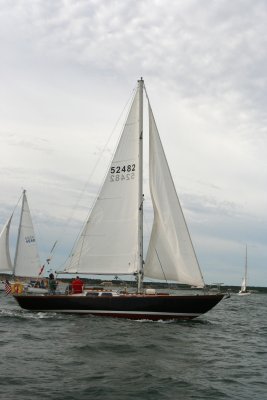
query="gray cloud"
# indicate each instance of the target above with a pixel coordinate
(36, 143)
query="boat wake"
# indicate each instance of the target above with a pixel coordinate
(22, 314)
(172, 321)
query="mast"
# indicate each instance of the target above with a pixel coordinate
(140, 219)
(19, 231)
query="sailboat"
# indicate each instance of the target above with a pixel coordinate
(243, 290)
(111, 242)
(26, 262)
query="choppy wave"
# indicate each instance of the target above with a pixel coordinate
(221, 355)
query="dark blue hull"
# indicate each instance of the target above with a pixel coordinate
(151, 307)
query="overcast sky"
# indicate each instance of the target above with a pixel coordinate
(68, 69)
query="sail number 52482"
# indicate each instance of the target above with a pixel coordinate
(126, 172)
(125, 168)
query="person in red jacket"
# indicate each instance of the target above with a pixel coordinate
(77, 285)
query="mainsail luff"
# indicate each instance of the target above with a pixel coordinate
(140, 222)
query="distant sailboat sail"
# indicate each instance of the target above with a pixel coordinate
(243, 289)
(27, 261)
(243, 285)
(5, 260)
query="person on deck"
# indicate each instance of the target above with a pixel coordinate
(77, 285)
(52, 284)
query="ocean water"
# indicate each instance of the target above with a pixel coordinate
(221, 355)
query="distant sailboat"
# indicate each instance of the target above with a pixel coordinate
(112, 239)
(26, 261)
(243, 290)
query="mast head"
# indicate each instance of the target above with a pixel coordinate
(141, 83)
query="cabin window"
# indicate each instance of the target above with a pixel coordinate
(92, 294)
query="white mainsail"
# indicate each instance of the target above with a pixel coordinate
(170, 253)
(109, 241)
(5, 260)
(27, 262)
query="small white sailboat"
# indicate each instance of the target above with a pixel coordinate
(111, 242)
(26, 261)
(243, 290)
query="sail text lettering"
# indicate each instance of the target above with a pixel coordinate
(122, 177)
(124, 168)
(121, 173)
(29, 239)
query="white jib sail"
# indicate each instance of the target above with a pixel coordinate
(27, 262)
(170, 253)
(5, 261)
(109, 241)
